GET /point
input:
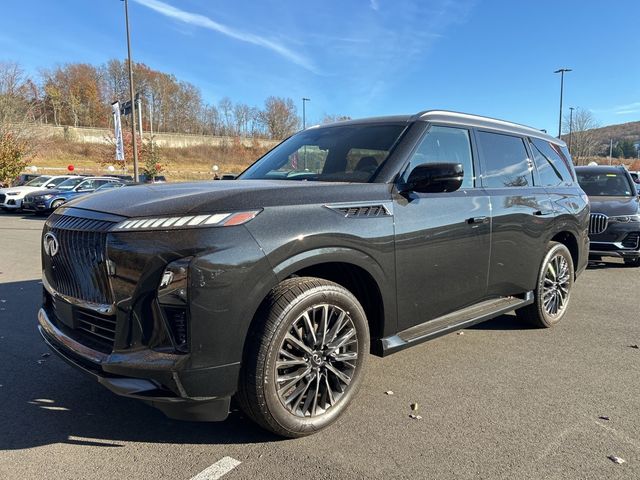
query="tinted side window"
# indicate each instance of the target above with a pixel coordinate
(446, 145)
(550, 163)
(506, 162)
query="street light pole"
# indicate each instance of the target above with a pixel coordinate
(131, 90)
(304, 112)
(570, 128)
(561, 71)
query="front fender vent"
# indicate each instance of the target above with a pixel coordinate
(362, 211)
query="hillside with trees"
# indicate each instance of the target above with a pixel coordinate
(80, 95)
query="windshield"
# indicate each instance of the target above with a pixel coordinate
(38, 181)
(69, 183)
(343, 153)
(605, 184)
(108, 186)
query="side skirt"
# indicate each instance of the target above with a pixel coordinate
(437, 327)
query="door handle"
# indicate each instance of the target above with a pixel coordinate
(476, 220)
(544, 213)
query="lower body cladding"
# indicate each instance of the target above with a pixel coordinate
(161, 381)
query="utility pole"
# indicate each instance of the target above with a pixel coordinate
(131, 94)
(139, 107)
(610, 150)
(304, 112)
(570, 128)
(561, 71)
(151, 123)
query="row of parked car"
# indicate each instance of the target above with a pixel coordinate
(45, 193)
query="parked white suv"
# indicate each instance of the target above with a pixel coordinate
(11, 198)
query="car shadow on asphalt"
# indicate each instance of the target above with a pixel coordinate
(46, 401)
(24, 215)
(601, 265)
(503, 322)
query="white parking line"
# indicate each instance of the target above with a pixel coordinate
(218, 469)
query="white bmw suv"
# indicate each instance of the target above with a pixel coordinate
(11, 198)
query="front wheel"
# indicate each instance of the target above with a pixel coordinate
(56, 203)
(553, 290)
(305, 358)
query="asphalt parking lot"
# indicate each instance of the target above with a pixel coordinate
(501, 401)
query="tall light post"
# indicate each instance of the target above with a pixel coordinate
(570, 128)
(304, 112)
(561, 71)
(133, 103)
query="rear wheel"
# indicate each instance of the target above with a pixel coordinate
(305, 359)
(553, 290)
(632, 262)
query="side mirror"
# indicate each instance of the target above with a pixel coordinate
(435, 178)
(50, 186)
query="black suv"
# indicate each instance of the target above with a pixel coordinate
(614, 229)
(368, 235)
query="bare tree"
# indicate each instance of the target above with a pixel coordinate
(584, 141)
(280, 117)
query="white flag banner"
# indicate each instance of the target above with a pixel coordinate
(117, 125)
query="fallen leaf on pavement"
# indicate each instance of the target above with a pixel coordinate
(617, 460)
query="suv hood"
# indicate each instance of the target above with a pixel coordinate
(223, 196)
(612, 206)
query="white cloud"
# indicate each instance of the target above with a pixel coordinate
(374, 4)
(203, 21)
(627, 109)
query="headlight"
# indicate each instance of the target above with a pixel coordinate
(173, 296)
(625, 219)
(190, 221)
(12, 194)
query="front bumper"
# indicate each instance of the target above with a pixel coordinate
(11, 203)
(35, 206)
(146, 375)
(620, 240)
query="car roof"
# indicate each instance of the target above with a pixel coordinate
(601, 168)
(459, 118)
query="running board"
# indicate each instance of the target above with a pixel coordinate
(466, 317)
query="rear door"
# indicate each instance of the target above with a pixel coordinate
(521, 212)
(442, 239)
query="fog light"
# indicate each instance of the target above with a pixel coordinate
(173, 298)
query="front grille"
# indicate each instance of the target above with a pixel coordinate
(598, 223)
(78, 269)
(91, 329)
(631, 241)
(101, 327)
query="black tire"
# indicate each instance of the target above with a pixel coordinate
(283, 309)
(539, 314)
(632, 262)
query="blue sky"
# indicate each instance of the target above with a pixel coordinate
(359, 57)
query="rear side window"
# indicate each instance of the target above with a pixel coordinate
(506, 162)
(446, 145)
(551, 165)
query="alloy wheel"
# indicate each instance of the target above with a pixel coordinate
(557, 282)
(316, 360)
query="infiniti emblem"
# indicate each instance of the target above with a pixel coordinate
(51, 245)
